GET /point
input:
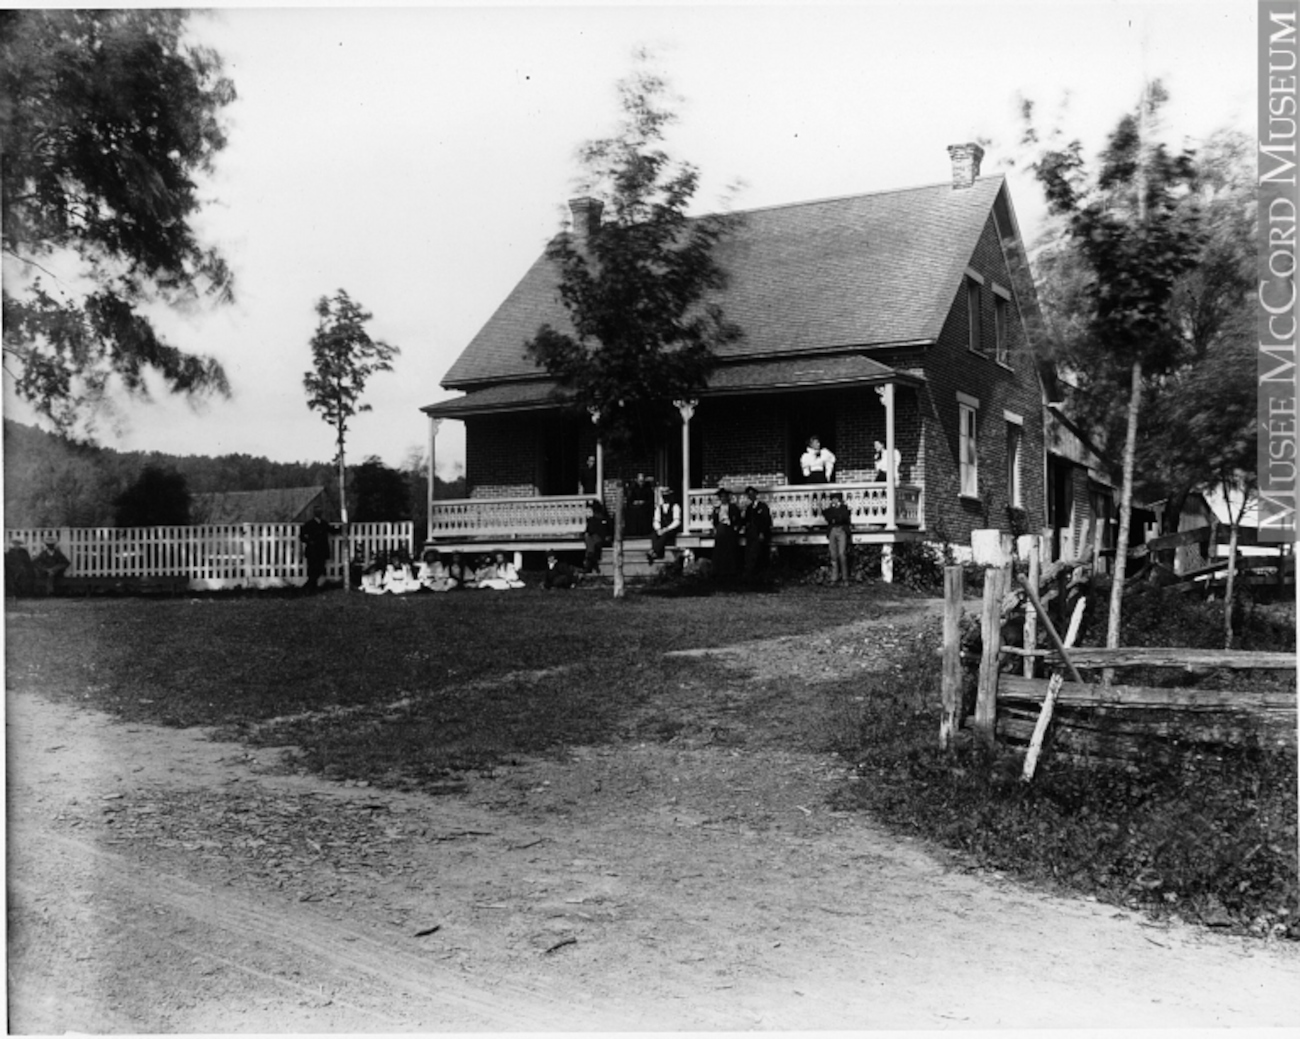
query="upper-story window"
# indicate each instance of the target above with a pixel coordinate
(974, 308)
(968, 446)
(1000, 309)
(1015, 440)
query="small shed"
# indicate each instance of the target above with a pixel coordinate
(273, 505)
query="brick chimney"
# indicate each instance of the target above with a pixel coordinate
(586, 217)
(965, 164)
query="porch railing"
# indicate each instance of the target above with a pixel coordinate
(260, 555)
(793, 509)
(797, 508)
(517, 518)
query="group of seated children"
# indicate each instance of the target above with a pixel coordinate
(393, 573)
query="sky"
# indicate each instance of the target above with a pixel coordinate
(420, 158)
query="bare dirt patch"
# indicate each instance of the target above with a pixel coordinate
(163, 882)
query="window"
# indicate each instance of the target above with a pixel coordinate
(1000, 326)
(973, 307)
(969, 446)
(1014, 436)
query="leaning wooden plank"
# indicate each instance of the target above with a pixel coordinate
(1040, 727)
(1053, 688)
(1033, 690)
(1051, 630)
(1163, 656)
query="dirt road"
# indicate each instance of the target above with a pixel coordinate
(162, 882)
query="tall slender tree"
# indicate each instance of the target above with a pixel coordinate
(1133, 240)
(107, 118)
(636, 274)
(345, 357)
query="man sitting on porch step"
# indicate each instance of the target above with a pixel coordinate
(666, 524)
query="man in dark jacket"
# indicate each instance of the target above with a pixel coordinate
(51, 564)
(840, 523)
(315, 538)
(756, 524)
(20, 574)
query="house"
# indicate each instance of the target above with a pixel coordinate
(1082, 500)
(273, 505)
(902, 317)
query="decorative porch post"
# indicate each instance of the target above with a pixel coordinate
(434, 423)
(891, 479)
(687, 409)
(600, 457)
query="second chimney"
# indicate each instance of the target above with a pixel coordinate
(965, 164)
(586, 217)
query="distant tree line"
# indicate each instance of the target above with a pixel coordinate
(54, 482)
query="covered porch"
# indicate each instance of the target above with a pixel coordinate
(748, 429)
(557, 522)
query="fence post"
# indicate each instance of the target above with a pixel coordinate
(986, 707)
(1031, 615)
(247, 555)
(950, 719)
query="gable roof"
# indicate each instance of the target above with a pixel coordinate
(865, 270)
(274, 505)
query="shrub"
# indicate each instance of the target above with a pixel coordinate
(1215, 843)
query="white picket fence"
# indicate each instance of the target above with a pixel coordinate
(229, 555)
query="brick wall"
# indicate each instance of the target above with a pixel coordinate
(743, 441)
(501, 456)
(950, 366)
(746, 440)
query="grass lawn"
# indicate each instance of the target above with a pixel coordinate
(407, 692)
(401, 690)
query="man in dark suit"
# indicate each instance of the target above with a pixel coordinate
(560, 574)
(757, 528)
(315, 538)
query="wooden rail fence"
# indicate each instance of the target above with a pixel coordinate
(235, 555)
(1090, 719)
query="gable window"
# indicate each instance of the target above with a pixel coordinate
(1000, 303)
(968, 445)
(1015, 440)
(973, 309)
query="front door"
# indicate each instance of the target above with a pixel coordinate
(561, 456)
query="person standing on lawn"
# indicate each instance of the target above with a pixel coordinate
(20, 574)
(726, 536)
(593, 536)
(839, 522)
(51, 564)
(315, 538)
(757, 526)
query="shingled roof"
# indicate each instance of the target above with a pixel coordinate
(862, 271)
(274, 505)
